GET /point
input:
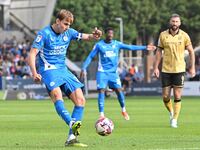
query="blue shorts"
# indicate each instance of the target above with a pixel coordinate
(62, 78)
(110, 79)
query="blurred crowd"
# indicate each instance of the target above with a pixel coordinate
(14, 58)
(129, 76)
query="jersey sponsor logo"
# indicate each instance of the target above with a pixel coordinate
(172, 43)
(38, 39)
(58, 50)
(110, 54)
(65, 38)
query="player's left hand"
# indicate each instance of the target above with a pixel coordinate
(192, 72)
(97, 33)
(151, 47)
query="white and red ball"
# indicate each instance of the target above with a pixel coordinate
(104, 126)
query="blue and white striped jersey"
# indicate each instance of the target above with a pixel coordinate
(52, 47)
(108, 55)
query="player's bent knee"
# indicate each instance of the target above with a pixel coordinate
(80, 102)
(166, 99)
(56, 95)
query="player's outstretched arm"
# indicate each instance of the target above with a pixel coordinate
(96, 35)
(32, 57)
(136, 47)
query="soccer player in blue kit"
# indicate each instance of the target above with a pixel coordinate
(108, 54)
(51, 45)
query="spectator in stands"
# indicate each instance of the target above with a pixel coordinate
(127, 82)
(132, 69)
(13, 41)
(14, 58)
(12, 70)
(24, 53)
(1, 65)
(139, 75)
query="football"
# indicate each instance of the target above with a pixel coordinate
(104, 126)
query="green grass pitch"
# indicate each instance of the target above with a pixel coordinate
(34, 125)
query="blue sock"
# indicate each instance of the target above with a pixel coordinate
(121, 99)
(77, 115)
(101, 98)
(62, 112)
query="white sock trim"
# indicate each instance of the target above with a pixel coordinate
(123, 109)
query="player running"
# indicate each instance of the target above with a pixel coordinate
(51, 45)
(108, 52)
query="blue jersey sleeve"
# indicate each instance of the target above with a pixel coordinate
(39, 41)
(90, 57)
(131, 47)
(75, 35)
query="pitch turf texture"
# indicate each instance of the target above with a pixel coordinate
(26, 125)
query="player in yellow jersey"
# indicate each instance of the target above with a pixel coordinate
(171, 47)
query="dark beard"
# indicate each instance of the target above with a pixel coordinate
(174, 28)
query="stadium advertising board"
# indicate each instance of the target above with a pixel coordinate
(191, 88)
(146, 89)
(23, 89)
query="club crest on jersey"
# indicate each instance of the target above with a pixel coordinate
(38, 39)
(52, 83)
(113, 46)
(65, 38)
(52, 39)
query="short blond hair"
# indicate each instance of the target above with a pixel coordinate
(65, 14)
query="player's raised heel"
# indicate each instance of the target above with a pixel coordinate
(125, 115)
(76, 128)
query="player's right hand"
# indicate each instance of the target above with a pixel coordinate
(97, 33)
(156, 72)
(37, 78)
(151, 47)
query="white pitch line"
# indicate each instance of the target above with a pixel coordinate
(194, 148)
